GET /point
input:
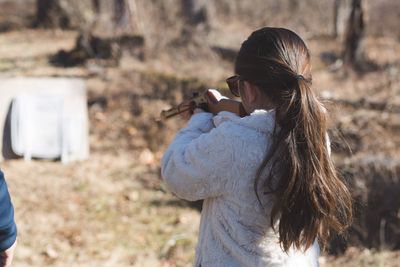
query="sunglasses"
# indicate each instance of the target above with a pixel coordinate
(233, 84)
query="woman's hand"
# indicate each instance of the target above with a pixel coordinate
(213, 102)
(7, 255)
(190, 109)
(187, 107)
(217, 103)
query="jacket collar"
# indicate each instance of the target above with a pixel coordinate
(260, 120)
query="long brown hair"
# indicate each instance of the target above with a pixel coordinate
(311, 199)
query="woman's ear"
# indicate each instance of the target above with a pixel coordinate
(249, 92)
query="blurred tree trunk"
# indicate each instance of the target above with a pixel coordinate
(336, 5)
(353, 56)
(96, 6)
(50, 14)
(101, 46)
(195, 11)
(43, 8)
(120, 12)
(105, 31)
(198, 18)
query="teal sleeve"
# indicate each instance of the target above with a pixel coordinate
(8, 228)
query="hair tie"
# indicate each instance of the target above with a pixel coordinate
(300, 77)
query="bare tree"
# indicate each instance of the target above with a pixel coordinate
(120, 11)
(353, 55)
(43, 8)
(50, 14)
(198, 19)
(96, 5)
(104, 31)
(195, 11)
(336, 4)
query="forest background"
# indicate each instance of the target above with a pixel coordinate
(139, 57)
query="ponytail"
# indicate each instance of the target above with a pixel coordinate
(311, 199)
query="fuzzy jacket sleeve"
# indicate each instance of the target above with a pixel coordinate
(8, 229)
(194, 165)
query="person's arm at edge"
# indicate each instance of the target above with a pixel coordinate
(8, 228)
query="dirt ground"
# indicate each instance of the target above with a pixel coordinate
(112, 209)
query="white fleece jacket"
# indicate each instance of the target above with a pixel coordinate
(216, 159)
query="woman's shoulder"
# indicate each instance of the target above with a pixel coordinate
(249, 135)
(261, 121)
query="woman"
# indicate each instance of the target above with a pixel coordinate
(270, 189)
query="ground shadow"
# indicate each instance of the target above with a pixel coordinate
(7, 150)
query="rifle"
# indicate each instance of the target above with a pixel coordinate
(199, 100)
